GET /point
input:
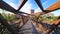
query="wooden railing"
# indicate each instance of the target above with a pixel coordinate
(7, 7)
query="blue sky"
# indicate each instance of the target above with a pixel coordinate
(31, 4)
(47, 3)
(13, 3)
(56, 13)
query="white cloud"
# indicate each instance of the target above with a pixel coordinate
(8, 12)
(38, 10)
(27, 7)
(0, 10)
(13, 5)
(5, 11)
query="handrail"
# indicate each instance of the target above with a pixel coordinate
(9, 27)
(7, 7)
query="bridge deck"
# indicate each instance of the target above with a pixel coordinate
(29, 28)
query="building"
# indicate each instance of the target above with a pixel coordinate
(32, 11)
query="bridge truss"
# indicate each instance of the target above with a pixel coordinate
(7, 7)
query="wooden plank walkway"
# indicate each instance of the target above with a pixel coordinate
(29, 28)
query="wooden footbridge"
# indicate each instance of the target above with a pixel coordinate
(28, 27)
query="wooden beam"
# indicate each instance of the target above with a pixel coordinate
(40, 5)
(54, 6)
(7, 7)
(21, 4)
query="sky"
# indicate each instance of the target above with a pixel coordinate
(56, 13)
(47, 3)
(31, 4)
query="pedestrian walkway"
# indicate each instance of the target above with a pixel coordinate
(29, 28)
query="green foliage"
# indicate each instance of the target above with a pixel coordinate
(9, 17)
(48, 18)
(5, 16)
